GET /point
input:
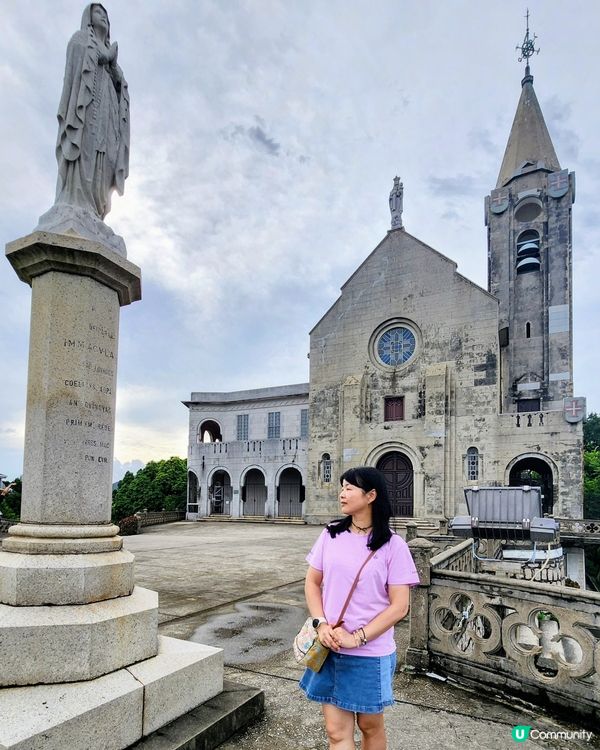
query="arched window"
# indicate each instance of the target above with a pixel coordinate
(528, 251)
(325, 468)
(528, 209)
(209, 432)
(472, 466)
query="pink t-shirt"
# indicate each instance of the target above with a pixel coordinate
(339, 560)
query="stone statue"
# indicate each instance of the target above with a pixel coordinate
(396, 197)
(92, 148)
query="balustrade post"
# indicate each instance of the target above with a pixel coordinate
(417, 654)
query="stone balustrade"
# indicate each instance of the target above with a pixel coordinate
(155, 517)
(458, 557)
(538, 421)
(585, 528)
(531, 639)
(268, 449)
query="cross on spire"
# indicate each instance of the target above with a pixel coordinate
(527, 47)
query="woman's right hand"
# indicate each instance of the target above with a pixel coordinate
(326, 636)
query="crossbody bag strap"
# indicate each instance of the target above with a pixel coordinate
(354, 585)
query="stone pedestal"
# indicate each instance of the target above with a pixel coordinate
(77, 289)
(114, 711)
(69, 611)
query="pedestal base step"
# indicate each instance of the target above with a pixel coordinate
(209, 725)
(114, 711)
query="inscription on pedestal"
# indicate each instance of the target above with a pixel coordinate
(71, 396)
(89, 405)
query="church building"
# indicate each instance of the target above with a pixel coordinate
(444, 385)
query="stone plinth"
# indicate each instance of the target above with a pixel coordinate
(113, 711)
(76, 642)
(34, 580)
(77, 289)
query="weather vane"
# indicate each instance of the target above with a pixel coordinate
(527, 48)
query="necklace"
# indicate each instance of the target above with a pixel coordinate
(362, 529)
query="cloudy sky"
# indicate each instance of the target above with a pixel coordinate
(265, 138)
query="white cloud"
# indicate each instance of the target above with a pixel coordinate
(265, 137)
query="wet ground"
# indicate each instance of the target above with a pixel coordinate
(239, 586)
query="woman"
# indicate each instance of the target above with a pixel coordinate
(356, 678)
(92, 148)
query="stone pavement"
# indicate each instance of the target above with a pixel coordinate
(240, 586)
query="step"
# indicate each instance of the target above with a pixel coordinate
(251, 519)
(209, 725)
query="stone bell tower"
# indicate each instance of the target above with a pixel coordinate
(528, 215)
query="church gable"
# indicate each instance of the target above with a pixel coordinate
(405, 278)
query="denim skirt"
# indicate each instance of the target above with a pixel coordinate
(362, 684)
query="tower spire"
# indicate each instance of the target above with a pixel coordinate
(529, 143)
(527, 50)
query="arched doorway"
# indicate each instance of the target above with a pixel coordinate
(290, 493)
(192, 492)
(254, 493)
(534, 472)
(398, 471)
(219, 493)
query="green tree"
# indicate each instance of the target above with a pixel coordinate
(122, 498)
(591, 432)
(591, 484)
(591, 506)
(10, 505)
(591, 490)
(159, 485)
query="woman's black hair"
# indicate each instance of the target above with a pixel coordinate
(368, 478)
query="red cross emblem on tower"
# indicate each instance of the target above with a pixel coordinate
(574, 409)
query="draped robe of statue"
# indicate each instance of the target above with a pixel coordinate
(92, 148)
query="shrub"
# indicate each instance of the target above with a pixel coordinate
(129, 525)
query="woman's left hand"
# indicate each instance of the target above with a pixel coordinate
(344, 639)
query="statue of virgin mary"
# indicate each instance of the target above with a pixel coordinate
(92, 148)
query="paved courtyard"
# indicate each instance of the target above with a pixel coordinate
(239, 586)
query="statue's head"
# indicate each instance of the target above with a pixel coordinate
(96, 15)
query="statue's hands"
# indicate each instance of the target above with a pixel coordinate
(109, 57)
(113, 53)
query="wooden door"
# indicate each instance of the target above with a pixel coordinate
(398, 472)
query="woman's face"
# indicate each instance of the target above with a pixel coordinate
(354, 500)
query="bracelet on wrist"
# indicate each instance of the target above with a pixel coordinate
(360, 637)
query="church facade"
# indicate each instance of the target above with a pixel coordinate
(444, 385)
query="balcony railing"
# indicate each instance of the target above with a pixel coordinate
(531, 638)
(275, 447)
